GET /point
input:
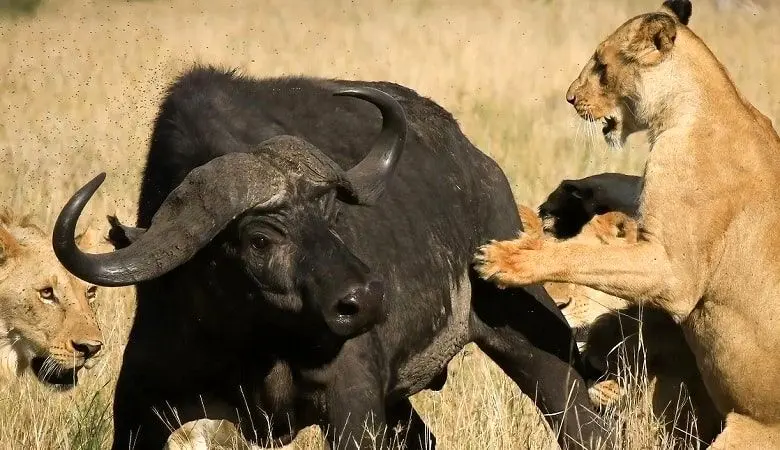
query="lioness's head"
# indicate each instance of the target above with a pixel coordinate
(46, 320)
(610, 86)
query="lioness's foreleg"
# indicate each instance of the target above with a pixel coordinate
(639, 272)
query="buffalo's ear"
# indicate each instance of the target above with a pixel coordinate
(578, 192)
(9, 246)
(680, 9)
(121, 236)
(652, 40)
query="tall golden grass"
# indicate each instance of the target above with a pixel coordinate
(81, 80)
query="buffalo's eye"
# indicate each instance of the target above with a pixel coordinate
(259, 242)
(47, 295)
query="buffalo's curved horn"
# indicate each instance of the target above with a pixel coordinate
(207, 200)
(368, 178)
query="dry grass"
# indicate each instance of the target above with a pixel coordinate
(79, 85)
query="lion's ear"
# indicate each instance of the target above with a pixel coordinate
(680, 9)
(616, 225)
(9, 247)
(88, 239)
(532, 224)
(653, 39)
(627, 229)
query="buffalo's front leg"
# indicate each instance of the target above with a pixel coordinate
(414, 433)
(528, 338)
(355, 397)
(639, 272)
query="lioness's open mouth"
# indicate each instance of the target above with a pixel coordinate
(548, 222)
(51, 372)
(609, 125)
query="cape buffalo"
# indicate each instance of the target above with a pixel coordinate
(574, 202)
(271, 280)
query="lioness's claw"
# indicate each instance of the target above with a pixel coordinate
(488, 270)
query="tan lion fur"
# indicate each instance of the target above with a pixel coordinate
(206, 434)
(742, 432)
(616, 331)
(709, 242)
(31, 325)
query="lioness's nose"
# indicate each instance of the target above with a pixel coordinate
(88, 348)
(571, 93)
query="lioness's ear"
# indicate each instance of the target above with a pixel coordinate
(653, 40)
(627, 229)
(532, 224)
(681, 9)
(616, 225)
(8, 245)
(89, 239)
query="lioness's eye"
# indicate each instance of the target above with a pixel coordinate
(47, 294)
(601, 70)
(91, 292)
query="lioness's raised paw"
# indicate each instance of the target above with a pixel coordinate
(508, 263)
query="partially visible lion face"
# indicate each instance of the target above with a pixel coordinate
(609, 86)
(581, 305)
(46, 319)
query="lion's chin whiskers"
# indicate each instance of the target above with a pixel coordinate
(53, 372)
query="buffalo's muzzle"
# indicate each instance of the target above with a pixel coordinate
(357, 311)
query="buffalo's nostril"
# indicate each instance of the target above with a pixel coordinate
(88, 348)
(348, 306)
(571, 99)
(357, 309)
(363, 299)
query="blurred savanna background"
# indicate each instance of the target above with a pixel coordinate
(80, 82)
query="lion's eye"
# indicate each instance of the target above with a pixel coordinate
(47, 295)
(91, 292)
(601, 70)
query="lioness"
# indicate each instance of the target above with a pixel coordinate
(615, 336)
(708, 244)
(46, 320)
